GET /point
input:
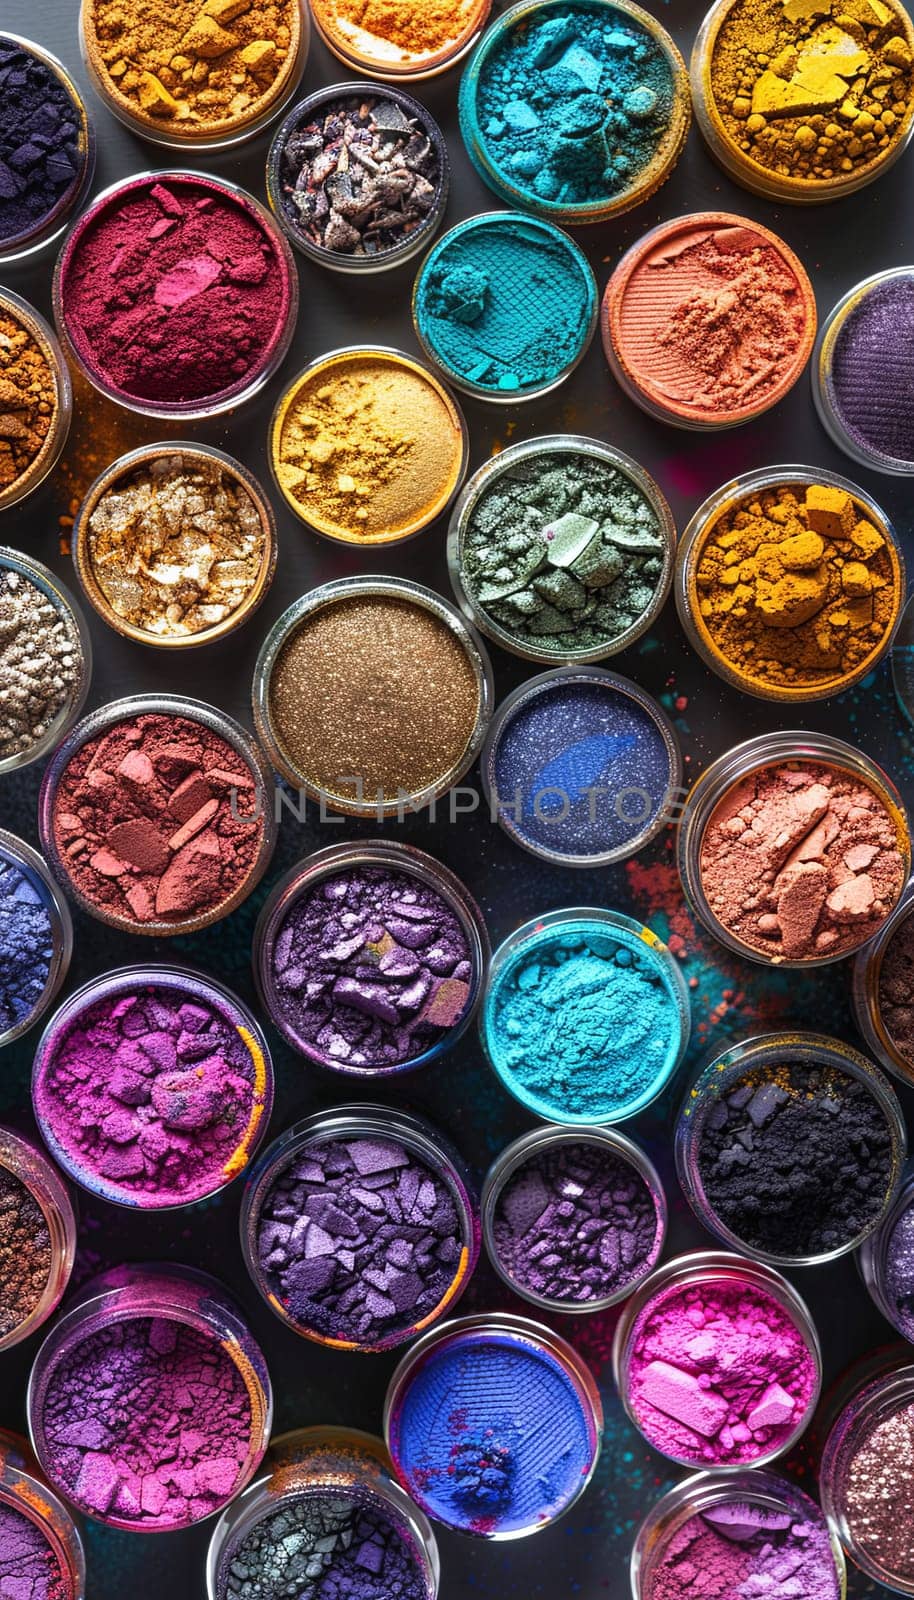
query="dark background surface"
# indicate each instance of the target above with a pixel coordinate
(586, 1554)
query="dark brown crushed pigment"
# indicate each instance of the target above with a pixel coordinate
(25, 1253)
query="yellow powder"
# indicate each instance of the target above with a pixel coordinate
(193, 67)
(368, 447)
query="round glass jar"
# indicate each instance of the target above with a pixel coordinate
(21, 243)
(173, 1104)
(865, 1476)
(454, 1011)
(790, 751)
(647, 1023)
(708, 1438)
(547, 792)
(36, 1204)
(762, 1505)
(178, 1304)
(532, 261)
(154, 112)
(876, 318)
(228, 477)
(642, 543)
(188, 901)
(586, 1262)
(51, 1536)
(494, 1482)
(180, 285)
(662, 305)
(47, 454)
(831, 520)
(394, 792)
(416, 1294)
(586, 146)
(740, 163)
(406, 113)
(21, 865)
(337, 1475)
(886, 1261)
(391, 431)
(17, 569)
(414, 47)
(869, 997)
(722, 1076)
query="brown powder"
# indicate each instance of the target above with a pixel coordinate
(29, 400)
(25, 1252)
(376, 689)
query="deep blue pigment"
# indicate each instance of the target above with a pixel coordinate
(571, 104)
(581, 769)
(505, 303)
(490, 1434)
(26, 944)
(582, 1022)
(42, 156)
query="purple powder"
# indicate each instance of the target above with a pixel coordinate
(872, 376)
(43, 150)
(359, 1241)
(737, 1550)
(576, 1223)
(370, 970)
(146, 1423)
(29, 1568)
(899, 1272)
(155, 1094)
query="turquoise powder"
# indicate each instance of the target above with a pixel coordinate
(505, 305)
(566, 106)
(585, 1021)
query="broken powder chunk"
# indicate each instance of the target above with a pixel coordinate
(258, 55)
(207, 40)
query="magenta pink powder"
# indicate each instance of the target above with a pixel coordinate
(719, 1374)
(174, 292)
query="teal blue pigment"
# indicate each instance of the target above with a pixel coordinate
(505, 304)
(583, 1022)
(565, 106)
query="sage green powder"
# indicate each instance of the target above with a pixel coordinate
(563, 552)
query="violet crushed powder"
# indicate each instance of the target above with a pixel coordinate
(576, 1223)
(370, 969)
(147, 1422)
(359, 1241)
(29, 1568)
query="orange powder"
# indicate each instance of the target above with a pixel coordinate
(709, 320)
(400, 36)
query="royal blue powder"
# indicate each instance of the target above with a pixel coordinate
(582, 1021)
(26, 944)
(570, 104)
(581, 769)
(491, 1435)
(506, 304)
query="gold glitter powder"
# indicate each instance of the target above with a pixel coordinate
(175, 546)
(375, 688)
(368, 447)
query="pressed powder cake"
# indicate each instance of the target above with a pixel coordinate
(711, 319)
(812, 92)
(802, 860)
(193, 68)
(795, 587)
(367, 447)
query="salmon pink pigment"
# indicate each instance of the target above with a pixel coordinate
(718, 1373)
(174, 291)
(143, 821)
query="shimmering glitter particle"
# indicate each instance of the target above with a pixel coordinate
(376, 689)
(879, 1495)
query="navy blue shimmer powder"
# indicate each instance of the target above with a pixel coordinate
(583, 767)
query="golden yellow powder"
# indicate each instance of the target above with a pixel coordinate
(194, 68)
(367, 447)
(815, 92)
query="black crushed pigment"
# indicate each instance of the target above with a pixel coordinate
(796, 1160)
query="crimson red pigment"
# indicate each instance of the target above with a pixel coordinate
(172, 291)
(143, 821)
